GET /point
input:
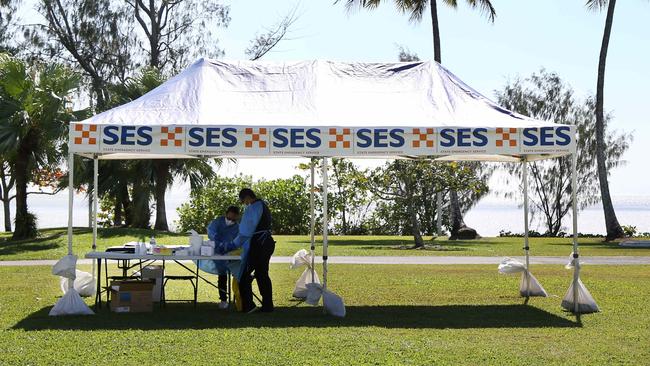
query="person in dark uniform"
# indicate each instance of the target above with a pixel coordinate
(258, 245)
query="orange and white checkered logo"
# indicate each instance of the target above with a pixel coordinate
(506, 137)
(257, 136)
(171, 136)
(340, 137)
(85, 134)
(423, 137)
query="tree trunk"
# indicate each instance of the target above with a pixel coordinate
(455, 214)
(614, 229)
(161, 168)
(436, 32)
(117, 213)
(22, 230)
(6, 205)
(140, 210)
(415, 227)
(6, 202)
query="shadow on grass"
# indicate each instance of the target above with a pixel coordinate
(47, 241)
(206, 316)
(598, 245)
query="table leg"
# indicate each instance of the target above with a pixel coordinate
(98, 292)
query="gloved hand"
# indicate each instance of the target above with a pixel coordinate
(220, 248)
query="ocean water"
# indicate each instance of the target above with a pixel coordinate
(490, 216)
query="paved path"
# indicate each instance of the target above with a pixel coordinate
(444, 260)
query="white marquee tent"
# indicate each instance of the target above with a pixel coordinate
(320, 109)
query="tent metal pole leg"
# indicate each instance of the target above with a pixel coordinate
(70, 204)
(325, 223)
(438, 214)
(574, 208)
(70, 199)
(95, 195)
(526, 246)
(312, 208)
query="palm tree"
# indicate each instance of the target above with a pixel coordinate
(154, 177)
(34, 115)
(614, 229)
(416, 10)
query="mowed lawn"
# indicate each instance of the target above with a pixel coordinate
(410, 315)
(52, 244)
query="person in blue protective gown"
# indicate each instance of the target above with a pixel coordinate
(222, 229)
(257, 245)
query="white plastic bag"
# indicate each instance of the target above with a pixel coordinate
(586, 303)
(314, 292)
(70, 304)
(65, 267)
(300, 291)
(301, 258)
(572, 262)
(84, 284)
(333, 304)
(510, 266)
(535, 288)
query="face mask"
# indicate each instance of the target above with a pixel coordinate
(229, 222)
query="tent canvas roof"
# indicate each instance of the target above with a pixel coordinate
(315, 93)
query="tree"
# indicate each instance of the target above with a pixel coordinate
(35, 110)
(349, 202)
(7, 19)
(612, 225)
(288, 201)
(411, 187)
(544, 96)
(148, 177)
(416, 10)
(175, 32)
(93, 36)
(210, 201)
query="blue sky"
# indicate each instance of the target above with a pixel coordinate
(560, 35)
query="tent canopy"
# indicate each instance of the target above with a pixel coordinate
(317, 108)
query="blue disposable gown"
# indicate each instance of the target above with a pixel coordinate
(249, 221)
(219, 232)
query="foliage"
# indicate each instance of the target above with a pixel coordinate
(7, 26)
(288, 201)
(349, 199)
(176, 32)
(27, 224)
(416, 8)
(35, 110)
(544, 96)
(408, 188)
(93, 36)
(629, 230)
(208, 202)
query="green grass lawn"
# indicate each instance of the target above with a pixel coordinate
(420, 315)
(52, 244)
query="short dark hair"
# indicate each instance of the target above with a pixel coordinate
(247, 192)
(233, 209)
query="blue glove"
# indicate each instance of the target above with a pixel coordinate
(220, 248)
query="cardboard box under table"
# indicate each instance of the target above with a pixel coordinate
(131, 296)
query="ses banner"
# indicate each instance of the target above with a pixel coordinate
(319, 141)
